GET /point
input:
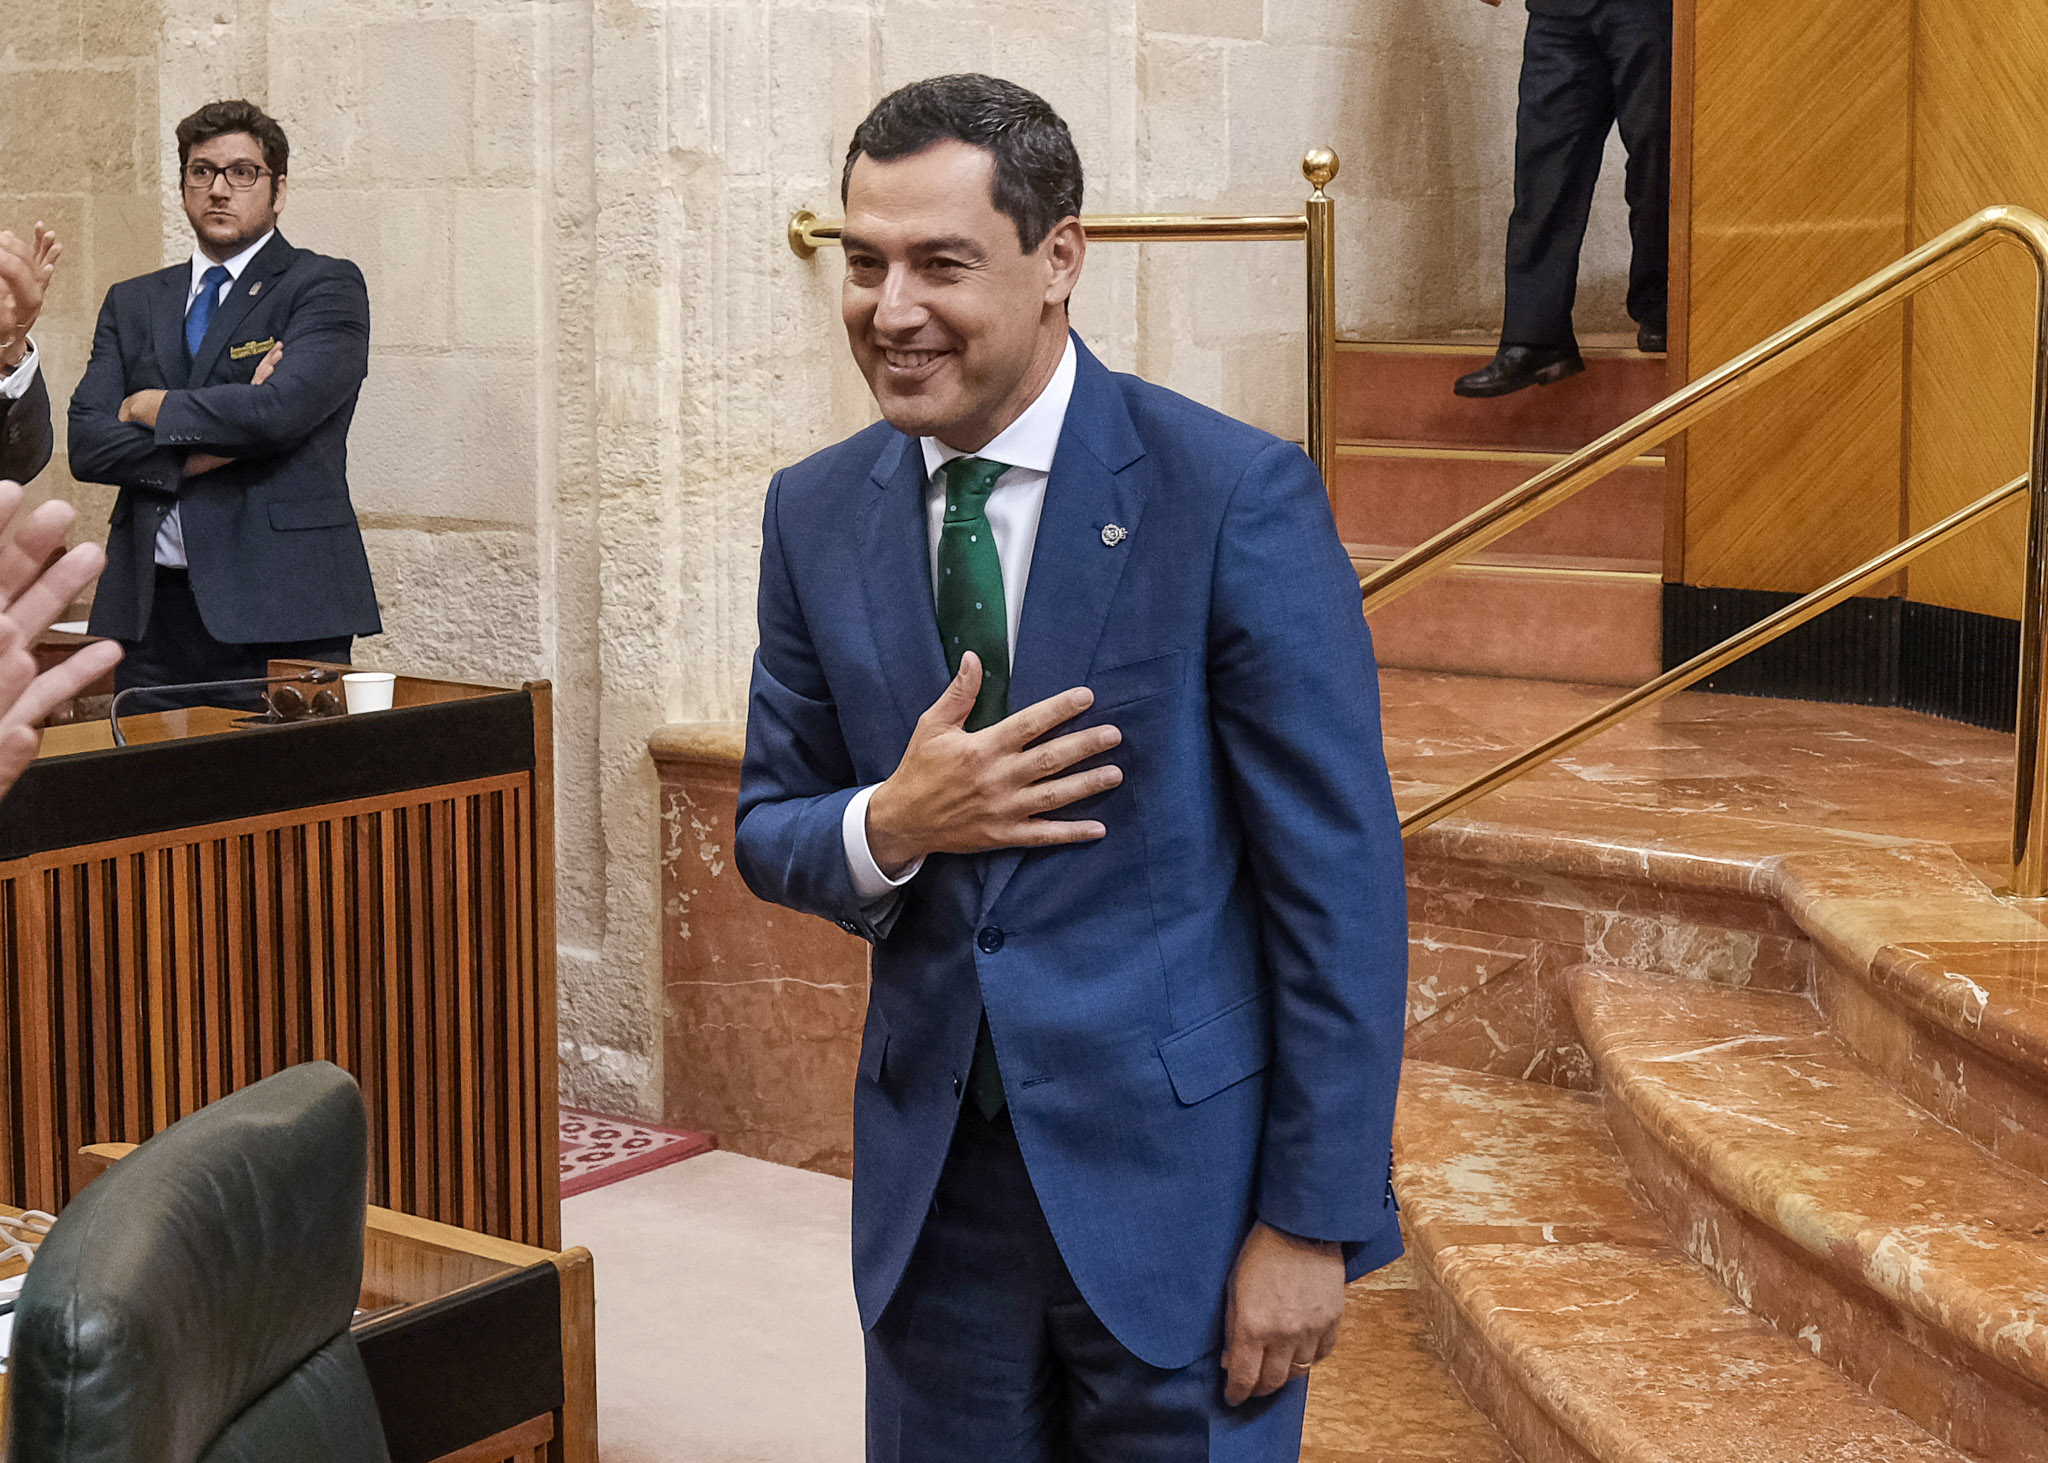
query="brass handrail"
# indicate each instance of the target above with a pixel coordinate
(1315, 226)
(1682, 409)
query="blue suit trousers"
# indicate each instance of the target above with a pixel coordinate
(988, 1353)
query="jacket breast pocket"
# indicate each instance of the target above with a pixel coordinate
(1139, 680)
(312, 513)
(1220, 1051)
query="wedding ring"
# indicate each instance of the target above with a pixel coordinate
(1301, 1368)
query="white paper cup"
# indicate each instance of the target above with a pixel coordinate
(368, 690)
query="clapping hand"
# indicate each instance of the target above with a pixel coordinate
(34, 591)
(25, 271)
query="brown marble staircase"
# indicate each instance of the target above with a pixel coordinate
(1730, 1228)
(1573, 596)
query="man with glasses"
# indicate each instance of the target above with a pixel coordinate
(218, 400)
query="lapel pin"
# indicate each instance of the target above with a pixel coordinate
(254, 288)
(1114, 534)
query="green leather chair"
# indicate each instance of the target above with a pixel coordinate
(193, 1304)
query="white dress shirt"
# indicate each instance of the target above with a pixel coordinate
(1027, 445)
(170, 534)
(15, 382)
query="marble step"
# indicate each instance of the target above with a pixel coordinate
(1959, 1027)
(1603, 626)
(1446, 965)
(1388, 391)
(1385, 1395)
(1393, 495)
(1572, 1318)
(1899, 1251)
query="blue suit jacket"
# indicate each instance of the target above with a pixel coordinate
(1199, 1017)
(271, 539)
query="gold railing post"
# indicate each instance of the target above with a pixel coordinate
(1320, 216)
(2030, 775)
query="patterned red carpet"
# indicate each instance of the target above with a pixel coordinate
(599, 1150)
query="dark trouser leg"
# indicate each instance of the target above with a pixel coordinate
(176, 647)
(1561, 122)
(989, 1353)
(1637, 42)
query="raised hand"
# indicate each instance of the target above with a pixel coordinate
(34, 592)
(957, 791)
(26, 268)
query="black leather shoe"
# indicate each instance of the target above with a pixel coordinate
(1650, 340)
(1517, 366)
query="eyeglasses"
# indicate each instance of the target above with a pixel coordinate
(241, 176)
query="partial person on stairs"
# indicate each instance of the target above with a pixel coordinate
(1586, 66)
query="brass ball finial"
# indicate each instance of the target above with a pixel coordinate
(1319, 166)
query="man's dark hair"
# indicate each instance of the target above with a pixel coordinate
(218, 119)
(1038, 172)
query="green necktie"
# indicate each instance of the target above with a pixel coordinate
(967, 587)
(967, 591)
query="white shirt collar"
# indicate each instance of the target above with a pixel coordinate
(1031, 440)
(234, 266)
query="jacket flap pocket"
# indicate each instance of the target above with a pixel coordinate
(874, 1046)
(312, 513)
(1221, 1050)
(1120, 685)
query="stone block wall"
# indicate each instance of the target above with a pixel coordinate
(78, 152)
(591, 345)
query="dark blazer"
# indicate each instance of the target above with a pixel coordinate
(25, 437)
(1577, 8)
(1199, 1017)
(271, 539)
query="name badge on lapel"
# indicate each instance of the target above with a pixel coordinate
(251, 348)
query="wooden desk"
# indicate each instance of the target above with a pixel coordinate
(188, 914)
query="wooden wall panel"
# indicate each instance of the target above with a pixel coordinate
(1980, 137)
(394, 937)
(1799, 186)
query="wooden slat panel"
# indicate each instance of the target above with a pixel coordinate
(420, 1074)
(1980, 137)
(467, 1062)
(12, 1172)
(102, 974)
(526, 1197)
(441, 972)
(133, 1009)
(43, 1140)
(1798, 182)
(184, 975)
(142, 979)
(492, 943)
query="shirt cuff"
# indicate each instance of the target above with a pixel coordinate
(16, 382)
(868, 879)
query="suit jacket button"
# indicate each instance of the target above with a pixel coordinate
(989, 940)
(849, 926)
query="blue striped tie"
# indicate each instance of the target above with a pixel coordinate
(201, 314)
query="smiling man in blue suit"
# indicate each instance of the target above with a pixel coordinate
(1065, 703)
